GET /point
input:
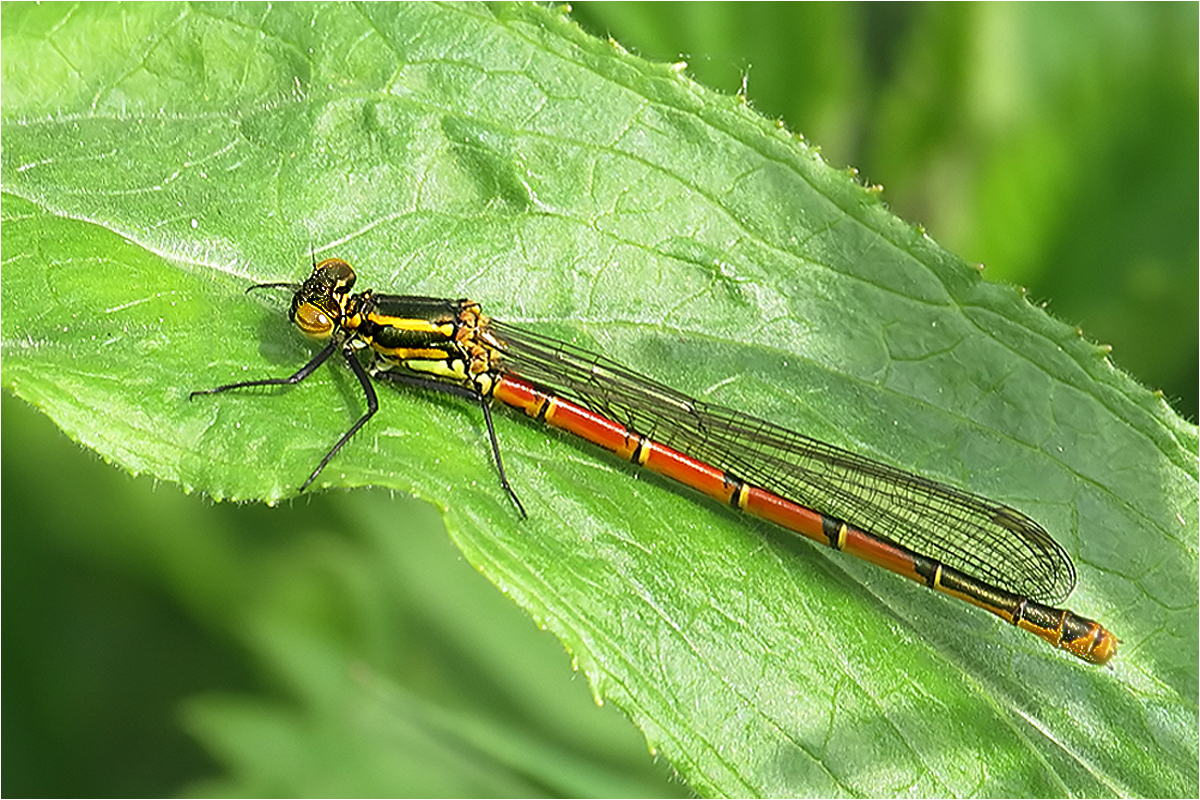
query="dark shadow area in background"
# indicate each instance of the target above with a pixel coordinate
(97, 661)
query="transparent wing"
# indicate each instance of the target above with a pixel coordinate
(987, 540)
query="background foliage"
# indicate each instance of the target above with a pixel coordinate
(1055, 145)
(237, 625)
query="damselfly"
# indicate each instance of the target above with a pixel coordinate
(957, 543)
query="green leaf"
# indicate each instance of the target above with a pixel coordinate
(339, 647)
(157, 159)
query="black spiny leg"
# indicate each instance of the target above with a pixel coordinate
(302, 373)
(461, 391)
(372, 406)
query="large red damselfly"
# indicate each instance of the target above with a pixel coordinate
(955, 542)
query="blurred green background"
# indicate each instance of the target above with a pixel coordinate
(157, 644)
(1054, 143)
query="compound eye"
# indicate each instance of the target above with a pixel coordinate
(341, 272)
(313, 322)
